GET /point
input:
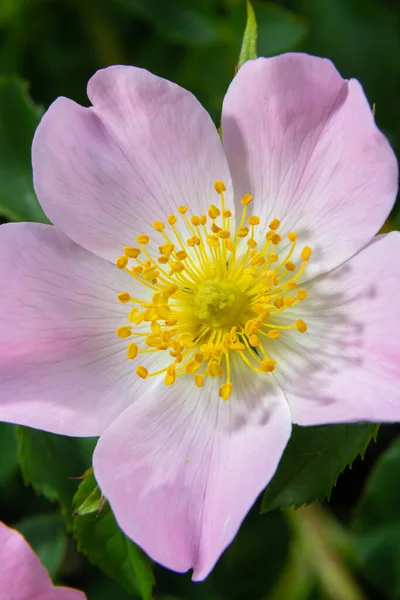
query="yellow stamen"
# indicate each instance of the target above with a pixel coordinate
(142, 372)
(219, 187)
(121, 262)
(209, 291)
(124, 297)
(142, 239)
(225, 391)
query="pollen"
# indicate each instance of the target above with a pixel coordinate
(213, 295)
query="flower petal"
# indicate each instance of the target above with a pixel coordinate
(346, 367)
(62, 367)
(303, 141)
(104, 174)
(22, 576)
(181, 468)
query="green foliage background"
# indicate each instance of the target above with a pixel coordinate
(349, 549)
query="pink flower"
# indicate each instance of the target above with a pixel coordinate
(22, 576)
(228, 327)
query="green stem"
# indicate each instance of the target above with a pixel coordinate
(321, 539)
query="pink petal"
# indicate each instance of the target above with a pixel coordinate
(181, 468)
(62, 367)
(303, 141)
(346, 367)
(22, 576)
(104, 174)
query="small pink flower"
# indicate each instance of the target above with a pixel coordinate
(249, 292)
(22, 576)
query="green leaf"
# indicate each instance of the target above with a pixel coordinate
(377, 524)
(312, 462)
(176, 21)
(46, 534)
(88, 498)
(107, 547)
(248, 50)
(19, 118)
(8, 451)
(51, 463)
(279, 29)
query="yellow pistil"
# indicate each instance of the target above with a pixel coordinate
(212, 294)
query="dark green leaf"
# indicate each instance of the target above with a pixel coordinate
(46, 534)
(8, 451)
(377, 523)
(312, 462)
(248, 50)
(279, 30)
(102, 541)
(177, 21)
(51, 462)
(19, 118)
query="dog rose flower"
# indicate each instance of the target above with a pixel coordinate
(194, 298)
(22, 576)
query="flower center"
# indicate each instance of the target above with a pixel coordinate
(217, 302)
(210, 293)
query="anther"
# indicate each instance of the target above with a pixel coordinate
(242, 232)
(301, 294)
(275, 223)
(306, 253)
(172, 219)
(276, 238)
(254, 341)
(158, 226)
(301, 325)
(182, 209)
(247, 198)
(124, 331)
(225, 391)
(253, 220)
(213, 212)
(219, 186)
(214, 369)
(267, 365)
(288, 300)
(292, 236)
(199, 380)
(170, 376)
(274, 334)
(132, 351)
(142, 239)
(192, 366)
(132, 252)
(142, 372)
(124, 297)
(121, 262)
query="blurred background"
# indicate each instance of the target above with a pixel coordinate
(349, 549)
